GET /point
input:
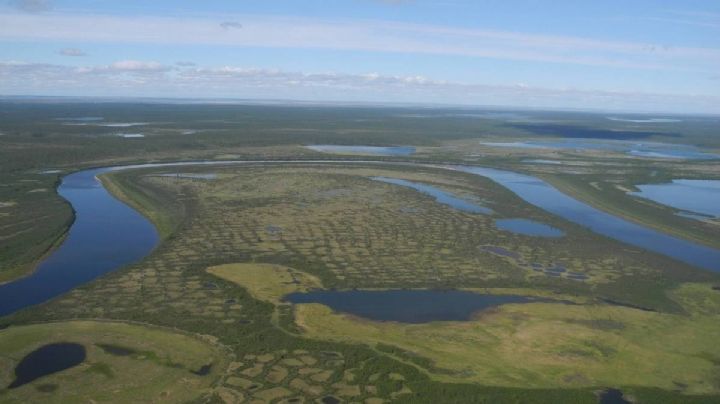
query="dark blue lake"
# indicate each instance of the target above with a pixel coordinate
(409, 306)
(46, 360)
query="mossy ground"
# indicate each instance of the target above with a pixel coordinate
(529, 345)
(345, 230)
(160, 367)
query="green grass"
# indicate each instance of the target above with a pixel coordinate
(33, 220)
(537, 345)
(104, 376)
(265, 281)
(547, 345)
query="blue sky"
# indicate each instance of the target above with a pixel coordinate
(640, 55)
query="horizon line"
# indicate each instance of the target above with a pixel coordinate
(331, 103)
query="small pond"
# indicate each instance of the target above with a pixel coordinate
(409, 306)
(700, 199)
(445, 198)
(46, 360)
(373, 150)
(528, 228)
(612, 396)
(204, 370)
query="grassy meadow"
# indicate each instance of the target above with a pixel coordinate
(153, 364)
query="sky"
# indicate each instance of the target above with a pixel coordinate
(635, 56)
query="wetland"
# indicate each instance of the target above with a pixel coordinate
(199, 295)
(90, 250)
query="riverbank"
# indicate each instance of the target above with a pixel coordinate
(662, 219)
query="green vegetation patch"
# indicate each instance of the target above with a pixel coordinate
(266, 282)
(549, 345)
(124, 363)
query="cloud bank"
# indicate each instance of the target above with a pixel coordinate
(148, 78)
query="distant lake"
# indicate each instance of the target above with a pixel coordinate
(645, 120)
(374, 150)
(409, 306)
(639, 149)
(699, 197)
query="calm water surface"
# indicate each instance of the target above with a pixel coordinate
(613, 396)
(640, 149)
(695, 196)
(106, 235)
(409, 306)
(47, 360)
(519, 226)
(541, 194)
(445, 198)
(375, 150)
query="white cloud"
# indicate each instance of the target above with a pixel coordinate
(142, 78)
(230, 25)
(72, 52)
(138, 66)
(378, 36)
(132, 67)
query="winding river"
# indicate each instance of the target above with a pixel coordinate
(107, 234)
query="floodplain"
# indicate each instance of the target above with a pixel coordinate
(595, 315)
